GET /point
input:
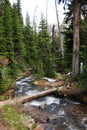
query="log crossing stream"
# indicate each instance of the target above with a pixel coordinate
(51, 111)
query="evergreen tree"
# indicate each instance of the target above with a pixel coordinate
(30, 44)
(76, 43)
(69, 36)
(58, 60)
(2, 45)
(8, 39)
(19, 48)
(7, 24)
(19, 11)
(44, 44)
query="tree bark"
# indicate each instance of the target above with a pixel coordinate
(75, 58)
(53, 35)
(27, 98)
(38, 95)
(59, 33)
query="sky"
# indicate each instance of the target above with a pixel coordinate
(36, 7)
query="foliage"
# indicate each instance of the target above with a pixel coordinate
(19, 11)
(30, 44)
(81, 78)
(68, 41)
(44, 47)
(57, 59)
(3, 79)
(24, 46)
(2, 44)
(19, 48)
(11, 41)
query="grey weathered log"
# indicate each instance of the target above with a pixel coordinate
(25, 99)
(38, 95)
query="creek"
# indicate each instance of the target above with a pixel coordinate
(53, 112)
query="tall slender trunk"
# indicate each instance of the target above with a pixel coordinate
(53, 35)
(47, 10)
(75, 58)
(59, 33)
(34, 20)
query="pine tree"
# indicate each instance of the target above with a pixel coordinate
(44, 44)
(7, 23)
(76, 42)
(8, 39)
(30, 43)
(2, 45)
(19, 11)
(69, 35)
(19, 48)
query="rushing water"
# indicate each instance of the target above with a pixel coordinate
(63, 113)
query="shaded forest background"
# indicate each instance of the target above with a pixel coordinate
(26, 46)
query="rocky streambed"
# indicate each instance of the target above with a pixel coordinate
(51, 112)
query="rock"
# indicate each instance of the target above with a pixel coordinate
(68, 86)
(36, 83)
(42, 83)
(57, 83)
(46, 88)
(29, 123)
(43, 106)
(39, 128)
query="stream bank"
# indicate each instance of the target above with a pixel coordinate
(52, 112)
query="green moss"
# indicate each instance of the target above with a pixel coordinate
(12, 118)
(33, 126)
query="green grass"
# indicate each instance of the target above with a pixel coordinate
(12, 119)
(2, 97)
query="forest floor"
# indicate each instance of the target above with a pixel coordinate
(2, 123)
(11, 118)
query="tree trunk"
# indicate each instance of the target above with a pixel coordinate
(27, 98)
(75, 59)
(53, 35)
(59, 33)
(38, 95)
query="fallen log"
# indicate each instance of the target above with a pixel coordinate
(69, 91)
(38, 95)
(25, 99)
(75, 93)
